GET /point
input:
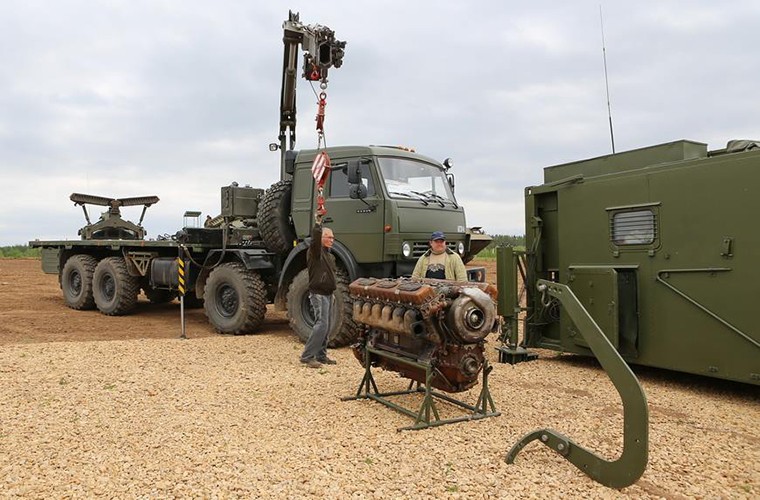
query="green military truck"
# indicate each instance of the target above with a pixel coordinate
(383, 203)
(254, 252)
(659, 245)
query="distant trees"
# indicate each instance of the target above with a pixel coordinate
(507, 239)
(517, 241)
(19, 252)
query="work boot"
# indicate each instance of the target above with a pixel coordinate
(327, 361)
(311, 363)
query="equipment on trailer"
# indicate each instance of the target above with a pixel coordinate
(430, 331)
(111, 225)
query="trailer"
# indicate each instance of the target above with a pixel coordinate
(659, 246)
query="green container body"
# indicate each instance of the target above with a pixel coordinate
(660, 246)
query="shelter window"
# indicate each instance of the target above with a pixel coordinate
(633, 227)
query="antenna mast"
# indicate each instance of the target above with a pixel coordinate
(606, 80)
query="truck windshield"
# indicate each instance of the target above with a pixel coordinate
(406, 178)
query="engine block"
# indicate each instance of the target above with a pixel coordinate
(438, 323)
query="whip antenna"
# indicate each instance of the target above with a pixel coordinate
(606, 80)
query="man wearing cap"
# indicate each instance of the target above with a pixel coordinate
(439, 262)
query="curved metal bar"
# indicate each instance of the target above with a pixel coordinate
(633, 460)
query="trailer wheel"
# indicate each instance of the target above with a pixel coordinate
(274, 218)
(76, 281)
(114, 289)
(301, 315)
(235, 299)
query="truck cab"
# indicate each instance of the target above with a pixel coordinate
(405, 196)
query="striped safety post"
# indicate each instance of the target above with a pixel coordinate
(181, 290)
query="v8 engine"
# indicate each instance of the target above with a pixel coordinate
(439, 323)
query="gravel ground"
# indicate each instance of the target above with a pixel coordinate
(239, 416)
(221, 417)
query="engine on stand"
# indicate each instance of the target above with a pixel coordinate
(430, 331)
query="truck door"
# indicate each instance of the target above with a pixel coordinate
(357, 224)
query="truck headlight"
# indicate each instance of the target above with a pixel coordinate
(406, 249)
(460, 248)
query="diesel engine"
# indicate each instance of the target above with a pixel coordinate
(438, 323)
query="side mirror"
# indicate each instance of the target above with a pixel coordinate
(357, 191)
(354, 172)
(450, 178)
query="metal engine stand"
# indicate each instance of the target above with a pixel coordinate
(427, 415)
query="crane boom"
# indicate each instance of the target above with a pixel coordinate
(322, 51)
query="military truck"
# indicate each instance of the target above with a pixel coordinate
(659, 245)
(383, 203)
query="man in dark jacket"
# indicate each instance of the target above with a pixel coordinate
(321, 265)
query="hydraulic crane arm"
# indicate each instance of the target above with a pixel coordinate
(321, 52)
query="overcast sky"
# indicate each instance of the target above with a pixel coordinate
(177, 98)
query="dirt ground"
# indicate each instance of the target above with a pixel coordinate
(118, 407)
(33, 311)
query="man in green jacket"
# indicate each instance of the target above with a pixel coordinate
(439, 262)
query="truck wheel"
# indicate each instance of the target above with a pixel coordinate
(114, 289)
(274, 218)
(235, 299)
(76, 282)
(349, 330)
(301, 315)
(158, 295)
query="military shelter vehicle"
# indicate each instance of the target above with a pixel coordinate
(383, 203)
(659, 246)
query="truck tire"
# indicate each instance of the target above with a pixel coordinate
(114, 289)
(349, 330)
(76, 282)
(301, 316)
(274, 218)
(158, 295)
(235, 299)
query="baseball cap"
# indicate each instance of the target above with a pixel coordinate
(437, 235)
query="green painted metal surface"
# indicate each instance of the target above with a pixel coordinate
(375, 228)
(674, 225)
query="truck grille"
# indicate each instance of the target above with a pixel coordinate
(420, 247)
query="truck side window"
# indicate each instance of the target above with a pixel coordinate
(339, 181)
(633, 227)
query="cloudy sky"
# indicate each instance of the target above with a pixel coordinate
(177, 98)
